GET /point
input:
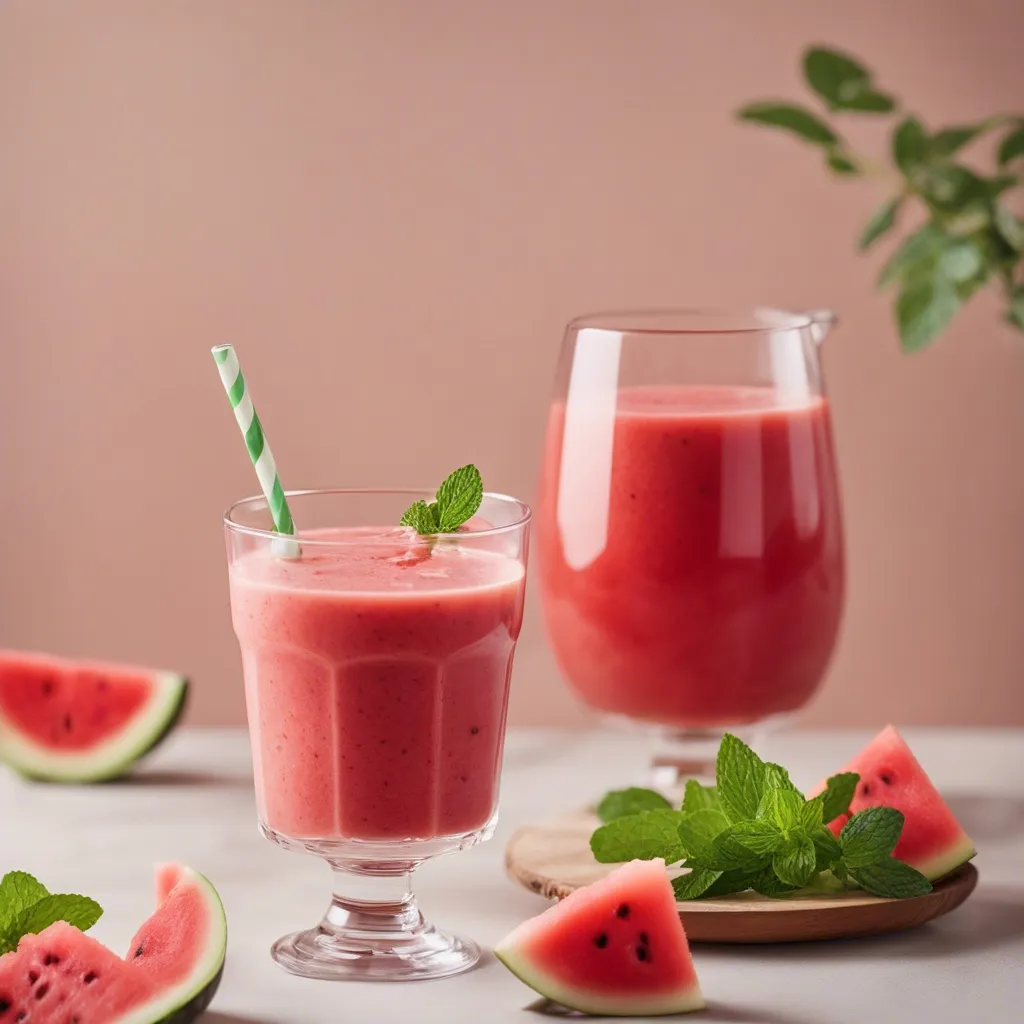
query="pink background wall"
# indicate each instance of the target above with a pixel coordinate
(393, 208)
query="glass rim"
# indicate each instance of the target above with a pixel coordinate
(657, 320)
(415, 493)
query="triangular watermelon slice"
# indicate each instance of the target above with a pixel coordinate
(615, 947)
(171, 972)
(70, 721)
(932, 840)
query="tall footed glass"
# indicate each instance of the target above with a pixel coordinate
(376, 669)
(691, 552)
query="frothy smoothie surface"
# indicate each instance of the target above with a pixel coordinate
(376, 682)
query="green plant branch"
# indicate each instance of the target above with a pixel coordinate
(970, 237)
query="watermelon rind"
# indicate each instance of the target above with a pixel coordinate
(948, 861)
(109, 759)
(684, 1000)
(186, 1001)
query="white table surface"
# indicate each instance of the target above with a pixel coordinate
(193, 802)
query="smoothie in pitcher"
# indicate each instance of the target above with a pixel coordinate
(376, 680)
(708, 586)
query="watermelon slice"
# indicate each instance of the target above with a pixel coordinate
(171, 972)
(615, 947)
(932, 840)
(68, 721)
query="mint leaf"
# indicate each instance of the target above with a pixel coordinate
(838, 793)
(794, 863)
(767, 883)
(870, 836)
(697, 831)
(644, 836)
(18, 891)
(783, 806)
(891, 879)
(79, 911)
(459, 498)
(694, 883)
(776, 777)
(740, 775)
(421, 517)
(759, 837)
(729, 882)
(698, 797)
(731, 854)
(812, 814)
(826, 849)
(622, 802)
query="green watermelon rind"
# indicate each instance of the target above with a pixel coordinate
(948, 860)
(186, 1001)
(585, 1001)
(113, 757)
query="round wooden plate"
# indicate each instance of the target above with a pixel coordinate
(553, 859)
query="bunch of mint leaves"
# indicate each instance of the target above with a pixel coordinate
(27, 907)
(970, 236)
(755, 830)
(456, 502)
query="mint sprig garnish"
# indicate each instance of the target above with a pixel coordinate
(27, 907)
(457, 501)
(755, 830)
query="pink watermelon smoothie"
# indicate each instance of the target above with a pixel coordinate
(376, 683)
(695, 578)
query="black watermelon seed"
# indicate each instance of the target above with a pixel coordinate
(33, 977)
(474, 730)
(601, 941)
(644, 940)
(21, 1015)
(5, 1005)
(51, 959)
(641, 953)
(89, 978)
(42, 990)
(866, 789)
(139, 951)
(887, 779)
(623, 910)
(67, 723)
(47, 687)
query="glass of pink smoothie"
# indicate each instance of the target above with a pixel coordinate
(691, 547)
(376, 670)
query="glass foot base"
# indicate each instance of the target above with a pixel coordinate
(425, 953)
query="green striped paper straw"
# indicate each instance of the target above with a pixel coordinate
(256, 442)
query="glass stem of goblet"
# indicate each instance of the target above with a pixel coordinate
(372, 902)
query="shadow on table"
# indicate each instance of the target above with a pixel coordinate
(990, 919)
(990, 818)
(183, 778)
(716, 1013)
(212, 1017)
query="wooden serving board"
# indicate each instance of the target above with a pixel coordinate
(554, 858)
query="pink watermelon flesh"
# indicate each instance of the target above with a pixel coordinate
(56, 712)
(615, 947)
(62, 976)
(932, 840)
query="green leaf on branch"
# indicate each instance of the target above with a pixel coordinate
(891, 879)
(1012, 146)
(909, 145)
(962, 261)
(826, 848)
(924, 309)
(740, 779)
(843, 83)
(794, 863)
(916, 253)
(1009, 226)
(882, 221)
(791, 118)
(838, 793)
(698, 829)
(620, 803)
(645, 836)
(870, 836)
(697, 797)
(694, 883)
(1015, 314)
(840, 163)
(951, 140)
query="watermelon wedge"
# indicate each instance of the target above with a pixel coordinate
(615, 947)
(70, 721)
(932, 840)
(171, 972)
